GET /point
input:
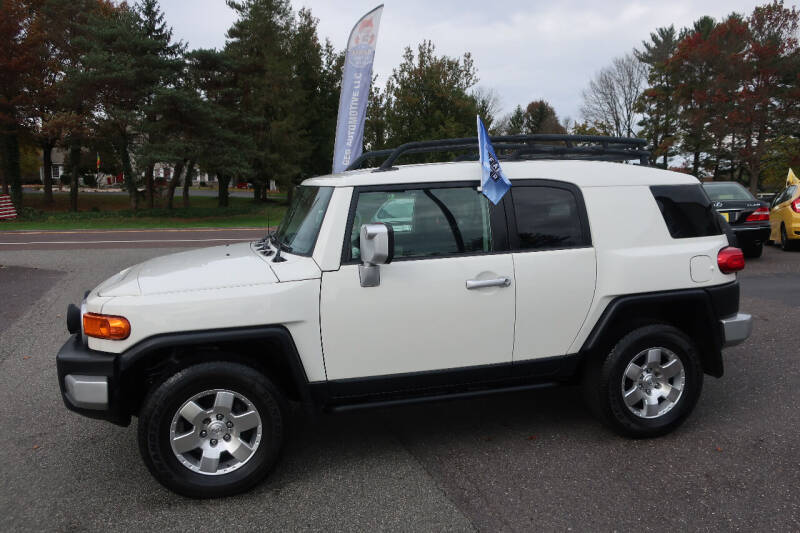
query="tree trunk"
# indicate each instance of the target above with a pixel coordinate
(223, 182)
(187, 182)
(257, 185)
(127, 172)
(173, 183)
(74, 174)
(148, 178)
(696, 164)
(11, 170)
(47, 171)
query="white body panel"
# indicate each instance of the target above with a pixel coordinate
(216, 288)
(635, 252)
(554, 289)
(421, 317)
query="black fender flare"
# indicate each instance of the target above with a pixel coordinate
(711, 303)
(278, 334)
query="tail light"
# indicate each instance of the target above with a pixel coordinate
(730, 260)
(796, 205)
(759, 215)
(106, 326)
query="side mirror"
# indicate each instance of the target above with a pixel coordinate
(377, 248)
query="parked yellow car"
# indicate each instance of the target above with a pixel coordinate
(784, 216)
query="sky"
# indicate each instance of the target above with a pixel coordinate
(523, 50)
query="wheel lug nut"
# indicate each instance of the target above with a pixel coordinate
(227, 437)
(203, 433)
(219, 417)
(213, 442)
(229, 424)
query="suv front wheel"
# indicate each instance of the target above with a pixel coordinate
(648, 384)
(212, 429)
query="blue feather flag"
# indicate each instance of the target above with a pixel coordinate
(494, 183)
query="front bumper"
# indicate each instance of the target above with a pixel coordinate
(736, 329)
(87, 379)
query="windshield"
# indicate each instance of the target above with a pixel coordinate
(721, 192)
(300, 225)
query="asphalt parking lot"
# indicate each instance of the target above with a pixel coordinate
(526, 461)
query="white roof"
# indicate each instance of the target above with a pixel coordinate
(581, 173)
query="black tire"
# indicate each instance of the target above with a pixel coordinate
(163, 402)
(603, 382)
(786, 244)
(754, 250)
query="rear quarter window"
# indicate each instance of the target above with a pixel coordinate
(687, 211)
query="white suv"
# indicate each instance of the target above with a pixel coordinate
(382, 288)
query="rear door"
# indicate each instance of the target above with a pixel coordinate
(422, 317)
(554, 267)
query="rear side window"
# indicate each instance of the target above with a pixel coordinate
(687, 211)
(547, 218)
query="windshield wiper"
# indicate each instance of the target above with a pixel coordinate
(279, 245)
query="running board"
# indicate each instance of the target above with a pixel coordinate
(438, 397)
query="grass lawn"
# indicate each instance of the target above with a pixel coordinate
(112, 211)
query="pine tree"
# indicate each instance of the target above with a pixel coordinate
(223, 145)
(428, 96)
(261, 54)
(163, 59)
(658, 108)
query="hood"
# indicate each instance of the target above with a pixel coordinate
(233, 265)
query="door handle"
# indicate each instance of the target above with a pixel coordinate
(481, 283)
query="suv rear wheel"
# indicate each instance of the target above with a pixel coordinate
(648, 384)
(212, 429)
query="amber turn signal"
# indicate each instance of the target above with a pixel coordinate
(106, 326)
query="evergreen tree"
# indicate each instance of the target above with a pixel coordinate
(428, 96)
(223, 146)
(659, 109)
(163, 58)
(260, 49)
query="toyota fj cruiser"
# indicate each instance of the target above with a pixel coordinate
(404, 284)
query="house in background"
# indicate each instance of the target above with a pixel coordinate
(59, 158)
(161, 171)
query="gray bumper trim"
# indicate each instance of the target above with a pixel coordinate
(89, 392)
(736, 328)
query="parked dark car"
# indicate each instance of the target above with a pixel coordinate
(748, 217)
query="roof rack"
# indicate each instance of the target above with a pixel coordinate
(521, 147)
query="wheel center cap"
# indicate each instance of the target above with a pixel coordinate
(648, 380)
(216, 429)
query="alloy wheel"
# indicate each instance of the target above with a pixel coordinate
(653, 382)
(215, 432)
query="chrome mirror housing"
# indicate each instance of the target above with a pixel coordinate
(377, 248)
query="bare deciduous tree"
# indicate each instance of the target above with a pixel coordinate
(609, 103)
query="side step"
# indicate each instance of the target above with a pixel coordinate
(438, 397)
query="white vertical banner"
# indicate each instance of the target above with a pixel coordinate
(356, 80)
